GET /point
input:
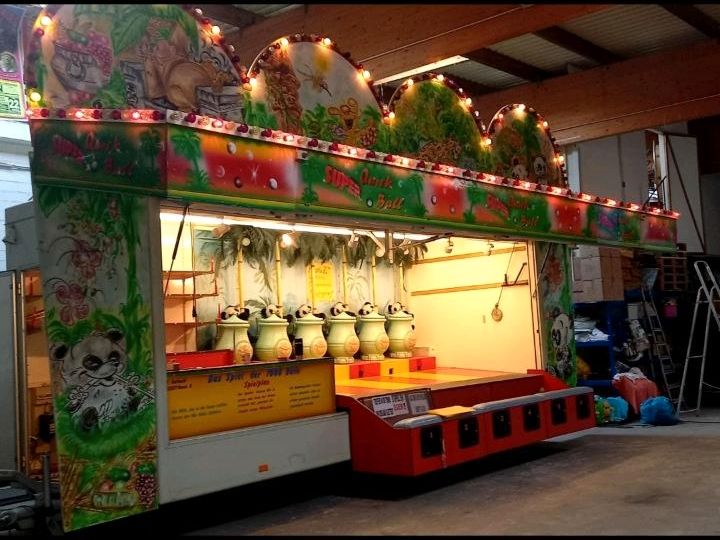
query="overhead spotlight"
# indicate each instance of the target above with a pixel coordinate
(449, 247)
(353, 240)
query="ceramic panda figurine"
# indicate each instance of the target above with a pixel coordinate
(339, 307)
(242, 313)
(366, 309)
(270, 309)
(394, 308)
(303, 311)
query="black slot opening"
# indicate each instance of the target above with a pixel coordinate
(468, 432)
(431, 441)
(558, 410)
(582, 405)
(531, 417)
(501, 424)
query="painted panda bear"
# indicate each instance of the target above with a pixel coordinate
(242, 313)
(394, 308)
(94, 376)
(339, 307)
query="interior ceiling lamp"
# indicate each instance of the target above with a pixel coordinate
(288, 239)
(422, 69)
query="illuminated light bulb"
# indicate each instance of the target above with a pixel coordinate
(327, 42)
(284, 42)
(135, 115)
(526, 184)
(391, 115)
(79, 114)
(634, 206)
(409, 82)
(405, 161)
(252, 81)
(199, 12)
(560, 158)
(230, 49)
(288, 138)
(45, 20)
(477, 113)
(450, 170)
(488, 141)
(586, 197)
(545, 124)
(675, 214)
(35, 96)
(656, 210)
(352, 152)
(468, 101)
(286, 240)
(500, 116)
(440, 77)
(610, 202)
(557, 190)
(366, 75)
(217, 124)
(490, 178)
(521, 107)
(215, 30)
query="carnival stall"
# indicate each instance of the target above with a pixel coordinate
(252, 271)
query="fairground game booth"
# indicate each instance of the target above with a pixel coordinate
(246, 272)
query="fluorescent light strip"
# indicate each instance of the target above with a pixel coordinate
(265, 224)
(422, 69)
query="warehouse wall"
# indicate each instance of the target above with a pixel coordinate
(14, 171)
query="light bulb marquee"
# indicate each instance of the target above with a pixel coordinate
(253, 72)
(463, 98)
(214, 124)
(542, 126)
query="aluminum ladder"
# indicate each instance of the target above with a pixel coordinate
(660, 349)
(708, 293)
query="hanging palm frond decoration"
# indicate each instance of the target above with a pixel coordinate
(258, 248)
(414, 253)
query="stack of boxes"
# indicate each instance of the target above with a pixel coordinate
(631, 270)
(597, 274)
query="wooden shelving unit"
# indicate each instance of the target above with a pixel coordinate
(673, 274)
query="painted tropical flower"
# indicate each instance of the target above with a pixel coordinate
(86, 259)
(73, 299)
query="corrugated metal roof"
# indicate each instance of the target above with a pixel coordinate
(634, 30)
(710, 9)
(537, 52)
(267, 10)
(482, 74)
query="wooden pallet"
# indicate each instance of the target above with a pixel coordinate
(673, 273)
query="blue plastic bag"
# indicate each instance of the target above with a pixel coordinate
(619, 409)
(658, 411)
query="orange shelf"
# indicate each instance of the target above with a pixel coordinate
(185, 274)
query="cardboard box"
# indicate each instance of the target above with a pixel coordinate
(584, 252)
(591, 268)
(577, 271)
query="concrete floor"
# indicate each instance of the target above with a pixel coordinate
(631, 480)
